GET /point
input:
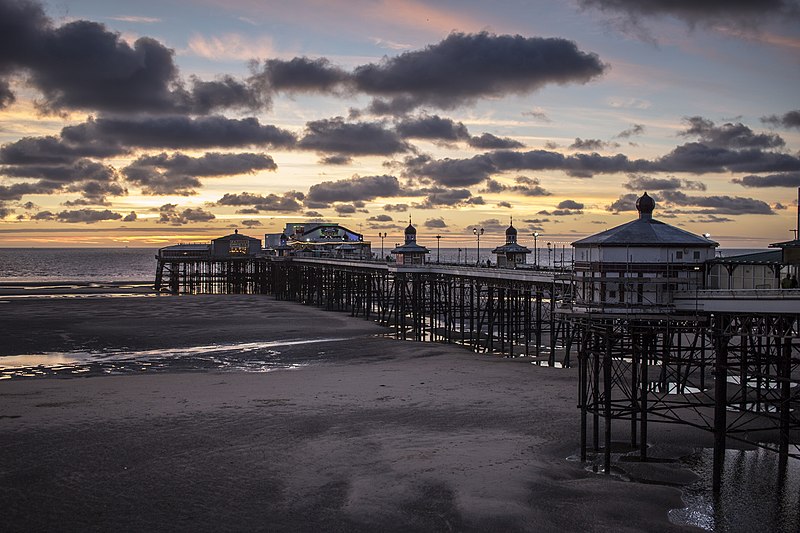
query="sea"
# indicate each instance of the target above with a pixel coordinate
(97, 265)
(755, 496)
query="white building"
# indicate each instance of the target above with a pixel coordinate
(636, 267)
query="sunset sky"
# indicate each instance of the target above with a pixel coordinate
(154, 122)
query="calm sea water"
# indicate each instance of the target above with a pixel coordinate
(73, 264)
(138, 264)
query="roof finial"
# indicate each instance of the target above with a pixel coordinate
(409, 219)
(511, 220)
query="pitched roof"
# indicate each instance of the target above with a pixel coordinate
(645, 232)
(772, 257)
(511, 248)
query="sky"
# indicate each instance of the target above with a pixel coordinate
(150, 123)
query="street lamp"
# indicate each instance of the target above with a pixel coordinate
(549, 250)
(438, 250)
(382, 236)
(459, 256)
(478, 232)
(535, 249)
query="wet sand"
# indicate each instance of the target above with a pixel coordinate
(385, 435)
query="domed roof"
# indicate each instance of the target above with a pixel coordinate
(645, 205)
(411, 229)
(511, 230)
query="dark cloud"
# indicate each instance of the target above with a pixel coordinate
(487, 141)
(344, 209)
(287, 202)
(647, 183)
(465, 67)
(251, 223)
(441, 197)
(626, 202)
(80, 170)
(790, 119)
(788, 179)
(711, 12)
(302, 74)
(587, 144)
(699, 158)
(130, 217)
(83, 65)
(504, 204)
(16, 191)
(178, 173)
(524, 185)
(95, 192)
(636, 129)
(51, 150)
(560, 212)
(381, 218)
(719, 205)
(734, 136)
(313, 214)
(345, 138)
(489, 225)
(432, 127)
(435, 223)
(355, 188)
(336, 160)
(170, 214)
(178, 132)
(87, 216)
(397, 208)
(570, 204)
(710, 219)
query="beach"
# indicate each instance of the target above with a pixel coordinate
(364, 433)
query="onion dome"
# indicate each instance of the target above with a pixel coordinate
(645, 206)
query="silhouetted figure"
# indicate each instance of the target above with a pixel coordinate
(794, 282)
(786, 283)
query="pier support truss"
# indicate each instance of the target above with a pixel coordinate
(734, 375)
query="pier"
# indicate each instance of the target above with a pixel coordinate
(651, 342)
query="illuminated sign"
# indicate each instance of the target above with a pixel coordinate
(238, 247)
(329, 233)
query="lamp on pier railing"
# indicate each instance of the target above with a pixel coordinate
(382, 236)
(438, 250)
(478, 232)
(549, 251)
(535, 249)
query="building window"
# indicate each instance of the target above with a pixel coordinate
(678, 255)
(697, 255)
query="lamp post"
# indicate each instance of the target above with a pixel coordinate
(535, 249)
(382, 236)
(459, 256)
(438, 250)
(549, 250)
(478, 232)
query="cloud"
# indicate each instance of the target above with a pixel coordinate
(360, 138)
(524, 185)
(537, 113)
(303, 74)
(51, 150)
(381, 218)
(647, 183)
(745, 13)
(487, 141)
(588, 144)
(788, 179)
(699, 158)
(489, 225)
(87, 216)
(170, 214)
(710, 219)
(178, 173)
(251, 223)
(570, 204)
(336, 160)
(352, 189)
(791, 119)
(397, 208)
(432, 127)
(636, 129)
(435, 223)
(719, 205)
(465, 67)
(626, 202)
(287, 202)
(130, 217)
(504, 204)
(83, 65)
(734, 136)
(177, 132)
(230, 46)
(442, 197)
(345, 209)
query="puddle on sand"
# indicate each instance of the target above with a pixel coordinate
(247, 357)
(755, 497)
